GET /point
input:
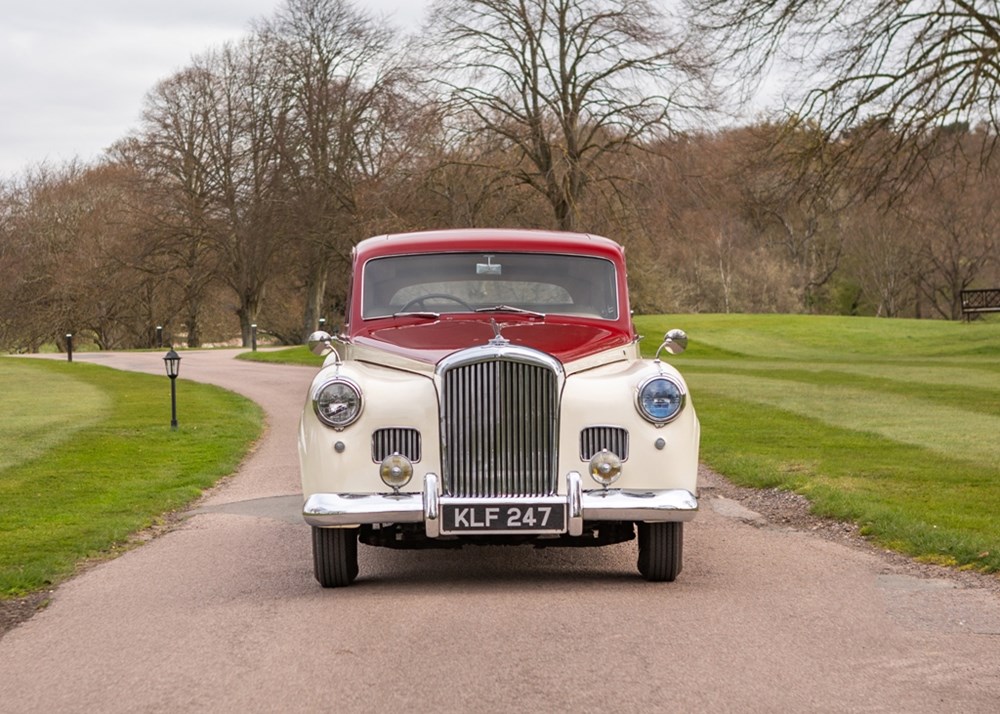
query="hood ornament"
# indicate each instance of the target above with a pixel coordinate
(498, 339)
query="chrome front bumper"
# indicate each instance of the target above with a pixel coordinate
(331, 510)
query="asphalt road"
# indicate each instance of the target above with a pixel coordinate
(222, 614)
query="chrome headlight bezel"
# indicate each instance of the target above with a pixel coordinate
(353, 411)
(642, 407)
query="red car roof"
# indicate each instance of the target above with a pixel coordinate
(497, 239)
(565, 337)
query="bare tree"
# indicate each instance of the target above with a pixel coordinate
(955, 219)
(67, 235)
(882, 259)
(912, 66)
(210, 154)
(713, 219)
(797, 207)
(563, 83)
(173, 155)
(240, 132)
(338, 74)
(45, 230)
(25, 304)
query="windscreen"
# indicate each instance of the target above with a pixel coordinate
(464, 282)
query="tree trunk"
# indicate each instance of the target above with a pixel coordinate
(315, 294)
(248, 310)
(193, 331)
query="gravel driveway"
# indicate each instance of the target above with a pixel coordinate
(775, 611)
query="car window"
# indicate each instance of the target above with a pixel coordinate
(459, 282)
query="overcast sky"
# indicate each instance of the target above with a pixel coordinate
(73, 73)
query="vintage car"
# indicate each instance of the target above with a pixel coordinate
(487, 388)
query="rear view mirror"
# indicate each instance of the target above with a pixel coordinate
(489, 267)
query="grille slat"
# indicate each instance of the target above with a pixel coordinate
(595, 438)
(499, 429)
(396, 440)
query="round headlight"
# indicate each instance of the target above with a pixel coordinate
(337, 403)
(660, 399)
(396, 471)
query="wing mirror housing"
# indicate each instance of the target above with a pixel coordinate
(321, 343)
(674, 342)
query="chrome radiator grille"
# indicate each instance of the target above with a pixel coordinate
(499, 429)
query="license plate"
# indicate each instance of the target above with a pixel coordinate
(503, 518)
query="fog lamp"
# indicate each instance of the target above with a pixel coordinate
(605, 467)
(396, 471)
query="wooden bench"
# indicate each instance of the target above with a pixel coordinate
(979, 301)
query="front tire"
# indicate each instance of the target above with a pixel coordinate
(335, 556)
(661, 548)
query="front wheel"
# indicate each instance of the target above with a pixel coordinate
(661, 547)
(335, 556)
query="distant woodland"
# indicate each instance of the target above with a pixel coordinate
(872, 190)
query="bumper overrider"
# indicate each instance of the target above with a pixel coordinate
(446, 515)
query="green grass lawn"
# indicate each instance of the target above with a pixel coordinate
(87, 459)
(288, 355)
(893, 424)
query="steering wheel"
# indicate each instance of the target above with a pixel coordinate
(440, 296)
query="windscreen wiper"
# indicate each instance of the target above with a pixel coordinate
(419, 313)
(511, 308)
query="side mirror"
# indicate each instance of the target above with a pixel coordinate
(674, 342)
(320, 343)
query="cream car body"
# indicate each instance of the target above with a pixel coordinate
(524, 418)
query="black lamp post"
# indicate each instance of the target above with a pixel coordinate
(172, 360)
(69, 346)
(253, 336)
